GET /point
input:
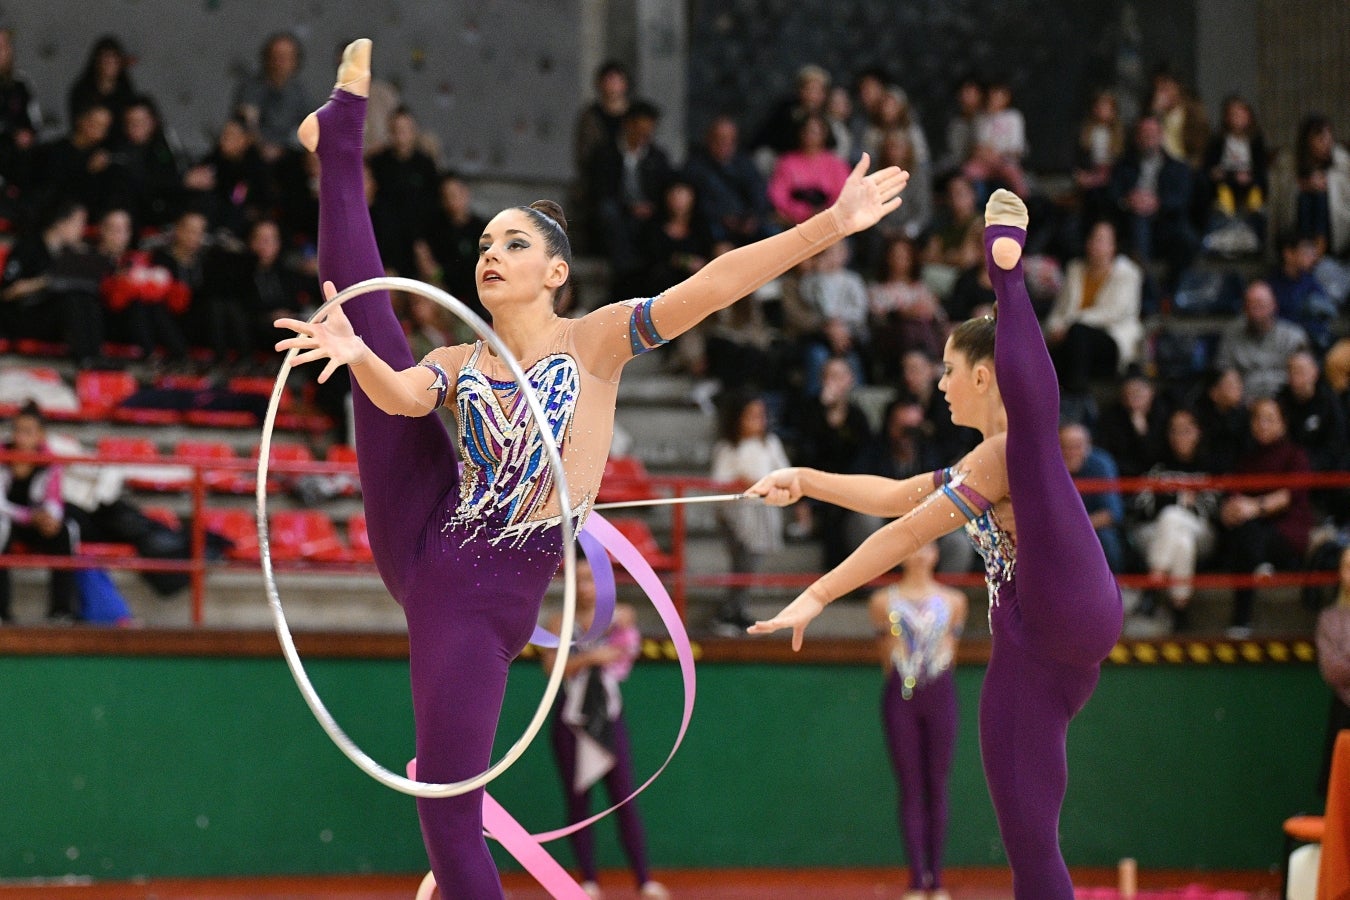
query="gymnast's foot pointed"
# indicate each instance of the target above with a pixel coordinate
(353, 76)
(1006, 208)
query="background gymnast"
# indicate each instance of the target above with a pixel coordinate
(470, 557)
(1054, 606)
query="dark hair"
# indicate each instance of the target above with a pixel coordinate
(283, 35)
(974, 338)
(1312, 124)
(548, 217)
(30, 410)
(106, 44)
(612, 67)
(642, 109)
(57, 210)
(731, 408)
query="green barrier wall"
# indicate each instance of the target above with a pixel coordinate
(123, 767)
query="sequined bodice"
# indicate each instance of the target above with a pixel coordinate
(921, 651)
(998, 550)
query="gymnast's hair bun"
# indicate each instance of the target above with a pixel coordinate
(553, 211)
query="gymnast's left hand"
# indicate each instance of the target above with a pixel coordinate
(796, 615)
(866, 199)
(332, 338)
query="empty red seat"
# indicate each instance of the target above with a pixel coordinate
(359, 539)
(239, 526)
(281, 452)
(99, 392)
(625, 479)
(305, 534)
(220, 480)
(146, 477)
(221, 418)
(638, 532)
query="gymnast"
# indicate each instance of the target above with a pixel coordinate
(1054, 607)
(470, 557)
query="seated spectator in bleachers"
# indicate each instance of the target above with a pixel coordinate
(134, 292)
(1322, 198)
(1263, 529)
(1259, 342)
(626, 181)
(1235, 180)
(912, 218)
(1185, 128)
(146, 178)
(452, 234)
(1000, 144)
(1105, 509)
(781, 130)
(405, 177)
(1299, 296)
(19, 121)
(77, 165)
(904, 314)
(953, 222)
(44, 287)
(919, 377)
(869, 90)
(1221, 410)
(1133, 427)
(831, 431)
(1101, 141)
(962, 126)
(31, 512)
(1314, 416)
(104, 81)
(1151, 190)
(733, 196)
(1176, 531)
(1336, 368)
(807, 179)
(838, 115)
(271, 102)
(894, 113)
(182, 256)
(232, 184)
(1094, 328)
(674, 243)
(599, 122)
(973, 293)
(838, 295)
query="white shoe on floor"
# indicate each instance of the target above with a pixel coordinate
(654, 890)
(592, 890)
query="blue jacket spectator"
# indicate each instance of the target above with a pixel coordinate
(1105, 509)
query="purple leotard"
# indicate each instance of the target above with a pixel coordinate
(470, 603)
(1055, 606)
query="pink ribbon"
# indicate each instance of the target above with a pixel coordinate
(501, 825)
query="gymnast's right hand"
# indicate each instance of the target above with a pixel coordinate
(332, 338)
(782, 487)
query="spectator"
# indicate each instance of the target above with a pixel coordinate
(452, 238)
(733, 196)
(19, 121)
(146, 179)
(243, 292)
(105, 81)
(919, 376)
(1299, 296)
(781, 131)
(42, 293)
(1094, 328)
(1133, 429)
(182, 259)
(590, 736)
(894, 113)
(32, 513)
(1315, 419)
(1264, 530)
(405, 178)
(1235, 169)
(1101, 141)
(903, 313)
(745, 452)
(271, 102)
(134, 292)
(1322, 170)
(1259, 343)
(973, 293)
(1104, 508)
(957, 218)
(1336, 367)
(627, 178)
(913, 216)
(1221, 410)
(76, 166)
(964, 125)
(231, 185)
(833, 431)
(1152, 191)
(599, 123)
(838, 117)
(1176, 530)
(869, 89)
(1000, 143)
(838, 295)
(809, 178)
(1333, 661)
(1185, 131)
(675, 243)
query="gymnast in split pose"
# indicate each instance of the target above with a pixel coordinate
(1054, 607)
(470, 557)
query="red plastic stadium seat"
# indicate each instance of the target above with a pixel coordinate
(359, 539)
(306, 534)
(237, 526)
(164, 516)
(642, 538)
(143, 478)
(625, 479)
(219, 480)
(101, 392)
(282, 452)
(107, 550)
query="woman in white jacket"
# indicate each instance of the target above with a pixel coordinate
(1094, 329)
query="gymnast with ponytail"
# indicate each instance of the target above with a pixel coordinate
(469, 556)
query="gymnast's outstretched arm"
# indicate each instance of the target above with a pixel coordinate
(984, 482)
(871, 495)
(612, 335)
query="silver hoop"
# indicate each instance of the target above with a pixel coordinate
(344, 743)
